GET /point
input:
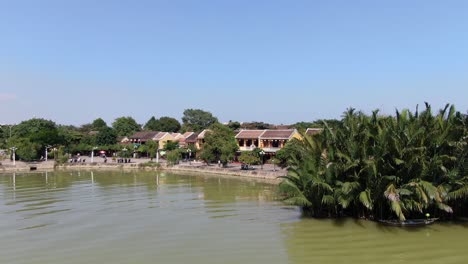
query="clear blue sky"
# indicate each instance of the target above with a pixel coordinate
(274, 61)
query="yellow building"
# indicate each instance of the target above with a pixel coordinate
(269, 140)
(160, 137)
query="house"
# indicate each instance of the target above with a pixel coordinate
(160, 137)
(273, 140)
(177, 136)
(248, 139)
(270, 140)
(142, 137)
(201, 138)
(188, 139)
(192, 140)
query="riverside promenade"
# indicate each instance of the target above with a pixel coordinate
(267, 171)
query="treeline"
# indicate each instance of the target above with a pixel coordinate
(33, 136)
(382, 167)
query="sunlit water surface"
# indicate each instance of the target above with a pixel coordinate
(146, 217)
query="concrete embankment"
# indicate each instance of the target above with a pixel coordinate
(271, 175)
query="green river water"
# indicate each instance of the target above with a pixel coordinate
(148, 217)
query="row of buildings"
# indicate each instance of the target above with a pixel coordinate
(269, 140)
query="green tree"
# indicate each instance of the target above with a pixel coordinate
(26, 149)
(249, 157)
(234, 125)
(152, 147)
(86, 128)
(38, 132)
(220, 144)
(125, 126)
(69, 135)
(381, 167)
(196, 120)
(173, 157)
(106, 136)
(152, 124)
(171, 145)
(99, 124)
(167, 124)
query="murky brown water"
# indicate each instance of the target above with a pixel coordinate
(116, 217)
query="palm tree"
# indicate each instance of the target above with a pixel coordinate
(382, 167)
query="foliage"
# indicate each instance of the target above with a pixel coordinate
(151, 148)
(125, 126)
(256, 125)
(151, 124)
(166, 124)
(234, 125)
(249, 157)
(39, 131)
(61, 158)
(171, 145)
(381, 167)
(303, 126)
(69, 135)
(86, 128)
(292, 151)
(196, 120)
(149, 164)
(220, 144)
(106, 136)
(3, 136)
(26, 149)
(173, 157)
(99, 124)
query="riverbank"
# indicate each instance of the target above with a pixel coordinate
(259, 172)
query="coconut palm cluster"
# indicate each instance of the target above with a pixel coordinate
(382, 167)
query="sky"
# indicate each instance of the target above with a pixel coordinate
(274, 61)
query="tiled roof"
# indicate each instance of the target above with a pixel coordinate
(278, 134)
(248, 134)
(313, 131)
(191, 138)
(160, 135)
(202, 134)
(177, 135)
(144, 135)
(187, 134)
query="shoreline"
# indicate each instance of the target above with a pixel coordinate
(233, 171)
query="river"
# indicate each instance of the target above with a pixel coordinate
(149, 217)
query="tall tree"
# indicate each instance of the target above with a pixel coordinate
(196, 120)
(152, 124)
(233, 125)
(39, 131)
(99, 124)
(167, 124)
(125, 126)
(151, 147)
(25, 149)
(381, 167)
(220, 144)
(106, 136)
